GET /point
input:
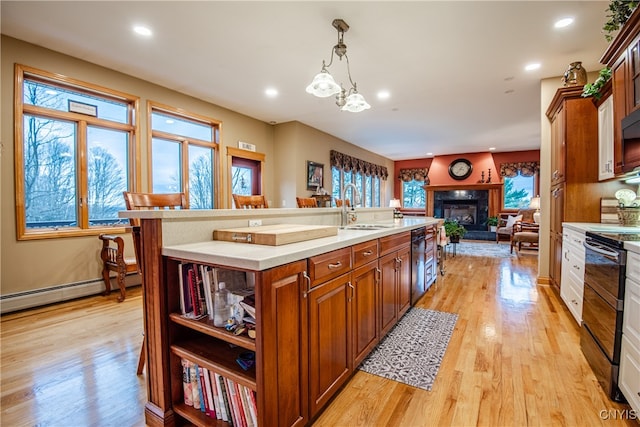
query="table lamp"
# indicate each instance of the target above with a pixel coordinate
(535, 204)
(395, 204)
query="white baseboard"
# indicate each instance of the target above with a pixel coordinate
(60, 293)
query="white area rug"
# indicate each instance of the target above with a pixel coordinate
(412, 352)
(485, 249)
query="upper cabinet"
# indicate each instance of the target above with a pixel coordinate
(605, 134)
(623, 57)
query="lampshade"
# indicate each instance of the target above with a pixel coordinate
(355, 103)
(394, 203)
(323, 85)
(534, 203)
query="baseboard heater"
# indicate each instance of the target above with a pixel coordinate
(59, 293)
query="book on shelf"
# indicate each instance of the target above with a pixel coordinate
(206, 392)
(186, 306)
(240, 390)
(253, 409)
(214, 391)
(186, 382)
(225, 399)
(195, 395)
(238, 416)
(249, 305)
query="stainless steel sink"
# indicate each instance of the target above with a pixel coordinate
(365, 227)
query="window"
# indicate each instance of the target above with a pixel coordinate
(518, 191)
(368, 187)
(184, 155)
(412, 189)
(74, 147)
(520, 183)
(413, 194)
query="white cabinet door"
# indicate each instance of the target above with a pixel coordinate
(605, 139)
(629, 378)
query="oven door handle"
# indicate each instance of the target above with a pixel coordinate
(601, 250)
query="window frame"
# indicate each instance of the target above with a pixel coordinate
(413, 208)
(536, 190)
(81, 121)
(185, 142)
(365, 190)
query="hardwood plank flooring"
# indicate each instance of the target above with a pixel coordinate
(514, 360)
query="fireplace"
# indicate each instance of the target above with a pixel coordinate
(464, 212)
(469, 207)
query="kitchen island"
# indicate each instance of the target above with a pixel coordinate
(321, 306)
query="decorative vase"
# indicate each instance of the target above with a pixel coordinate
(575, 75)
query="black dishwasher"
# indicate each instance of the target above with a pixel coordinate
(418, 258)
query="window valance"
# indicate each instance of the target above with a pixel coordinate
(349, 163)
(511, 170)
(418, 174)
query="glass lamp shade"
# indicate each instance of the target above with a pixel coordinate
(394, 203)
(355, 103)
(323, 85)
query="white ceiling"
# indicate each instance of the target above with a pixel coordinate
(455, 69)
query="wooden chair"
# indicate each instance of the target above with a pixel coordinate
(525, 233)
(339, 203)
(113, 259)
(307, 202)
(256, 201)
(148, 201)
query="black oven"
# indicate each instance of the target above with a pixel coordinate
(603, 304)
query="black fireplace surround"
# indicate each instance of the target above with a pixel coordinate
(469, 207)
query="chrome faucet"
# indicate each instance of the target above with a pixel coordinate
(356, 200)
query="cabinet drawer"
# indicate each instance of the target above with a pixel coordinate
(574, 240)
(633, 266)
(391, 243)
(327, 266)
(364, 252)
(629, 380)
(571, 294)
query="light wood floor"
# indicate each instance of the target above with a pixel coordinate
(513, 360)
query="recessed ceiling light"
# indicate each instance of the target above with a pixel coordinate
(532, 66)
(429, 154)
(492, 148)
(271, 92)
(564, 22)
(142, 30)
(384, 94)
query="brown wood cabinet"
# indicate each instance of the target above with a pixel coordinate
(395, 280)
(330, 345)
(316, 320)
(623, 57)
(575, 189)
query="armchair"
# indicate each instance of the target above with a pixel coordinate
(527, 233)
(113, 259)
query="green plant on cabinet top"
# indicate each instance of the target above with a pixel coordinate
(593, 89)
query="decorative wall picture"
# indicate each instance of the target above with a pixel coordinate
(315, 173)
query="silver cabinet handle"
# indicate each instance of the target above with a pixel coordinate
(334, 266)
(378, 275)
(367, 253)
(353, 290)
(308, 280)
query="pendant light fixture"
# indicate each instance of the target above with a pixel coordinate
(323, 84)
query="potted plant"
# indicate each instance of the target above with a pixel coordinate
(492, 223)
(454, 230)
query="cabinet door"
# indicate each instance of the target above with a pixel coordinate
(365, 310)
(605, 139)
(557, 208)
(329, 340)
(629, 380)
(388, 307)
(403, 277)
(558, 147)
(618, 78)
(283, 354)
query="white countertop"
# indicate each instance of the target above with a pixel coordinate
(261, 257)
(606, 228)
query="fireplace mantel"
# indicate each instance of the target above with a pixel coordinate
(495, 194)
(451, 187)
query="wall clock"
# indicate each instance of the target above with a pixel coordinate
(460, 169)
